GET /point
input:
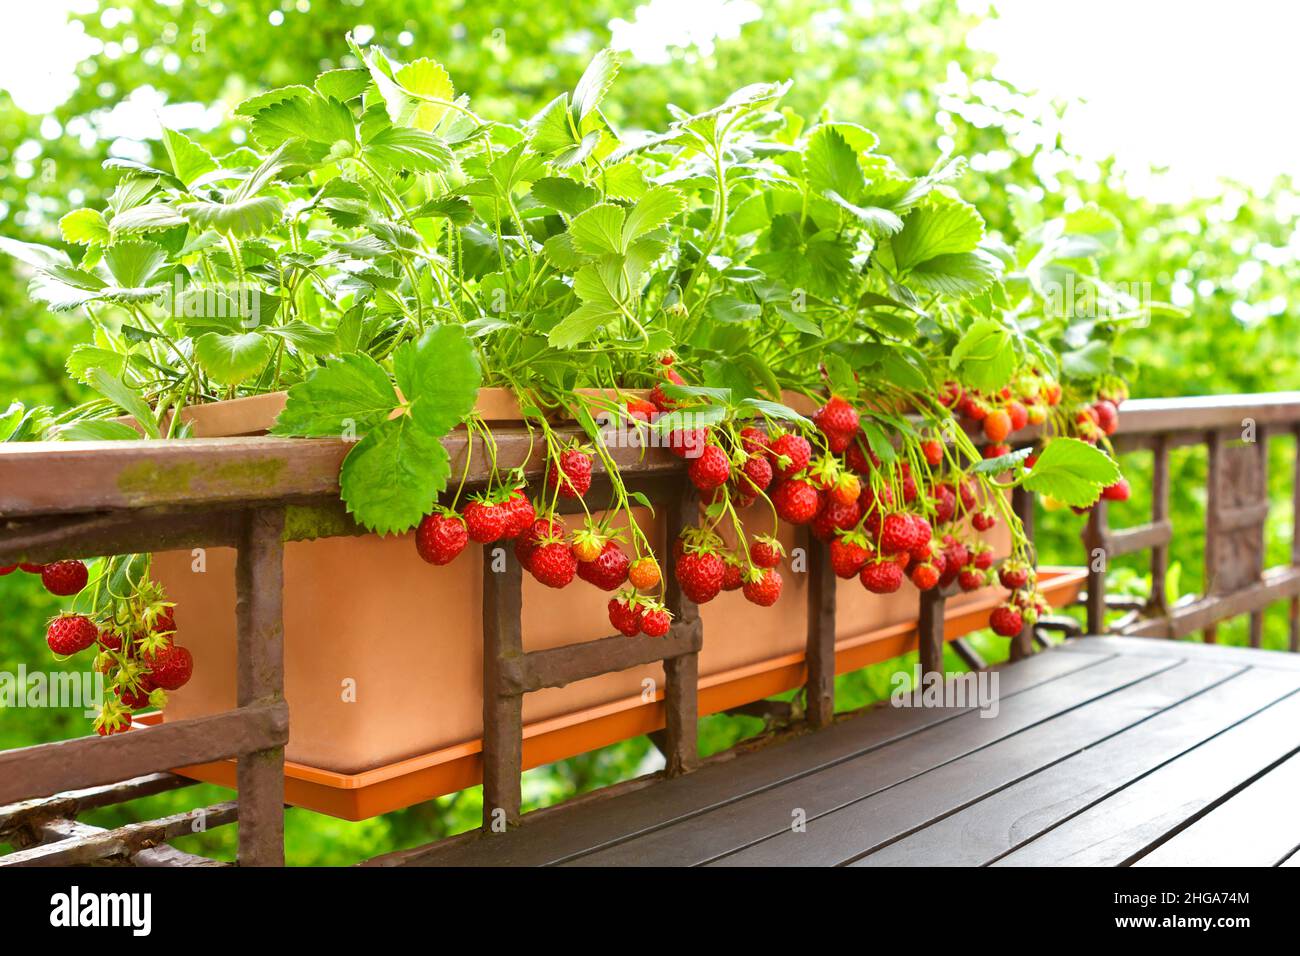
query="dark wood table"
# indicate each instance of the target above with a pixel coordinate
(1104, 751)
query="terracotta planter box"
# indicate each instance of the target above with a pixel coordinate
(383, 652)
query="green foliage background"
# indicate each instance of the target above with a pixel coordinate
(901, 68)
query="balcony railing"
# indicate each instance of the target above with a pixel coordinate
(127, 497)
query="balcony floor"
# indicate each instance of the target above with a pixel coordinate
(1103, 751)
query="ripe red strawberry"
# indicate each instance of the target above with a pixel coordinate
(69, 633)
(655, 622)
(971, 579)
(997, 425)
(1013, 576)
(950, 394)
(882, 576)
(30, 568)
(440, 537)
(486, 521)
(835, 517)
(925, 576)
(170, 667)
(837, 418)
(641, 410)
(753, 440)
(110, 640)
(897, 534)
(609, 571)
(983, 520)
(1119, 491)
(64, 578)
(732, 576)
(1006, 621)
(997, 450)
(975, 409)
(686, 443)
(531, 540)
(644, 573)
(132, 699)
(625, 618)
(945, 503)
(571, 475)
(983, 559)
(1018, 415)
(756, 474)
(763, 587)
(521, 514)
(553, 564)
(711, 470)
(796, 501)
(932, 449)
(790, 454)
(7, 569)
(1107, 416)
(117, 725)
(700, 575)
(848, 554)
(662, 401)
(846, 490)
(766, 551)
(859, 455)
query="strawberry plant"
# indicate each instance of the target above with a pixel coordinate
(382, 251)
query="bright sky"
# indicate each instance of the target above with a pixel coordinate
(1206, 87)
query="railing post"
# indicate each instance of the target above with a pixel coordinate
(681, 674)
(1022, 502)
(929, 633)
(1094, 542)
(1294, 610)
(1157, 600)
(259, 593)
(503, 709)
(819, 688)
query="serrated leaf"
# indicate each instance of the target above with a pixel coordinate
(441, 373)
(310, 117)
(776, 410)
(1087, 362)
(1071, 471)
(656, 208)
(729, 308)
(349, 393)
(83, 358)
(580, 325)
(402, 148)
(957, 273)
(935, 230)
(984, 356)
(593, 85)
(417, 79)
(831, 165)
(342, 85)
(599, 230)
(124, 397)
(232, 358)
(549, 128)
(878, 222)
(134, 262)
(564, 195)
(239, 217)
(996, 466)
(189, 160)
(84, 227)
(149, 217)
(392, 477)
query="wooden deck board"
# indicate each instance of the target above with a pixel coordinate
(1105, 751)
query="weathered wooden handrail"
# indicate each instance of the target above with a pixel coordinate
(248, 493)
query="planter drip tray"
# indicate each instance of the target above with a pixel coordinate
(402, 783)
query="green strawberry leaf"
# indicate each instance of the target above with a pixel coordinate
(352, 393)
(1071, 471)
(439, 375)
(230, 359)
(935, 230)
(984, 356)
(124, 397)
(85, 227)
(392, 477)
(189, 159)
